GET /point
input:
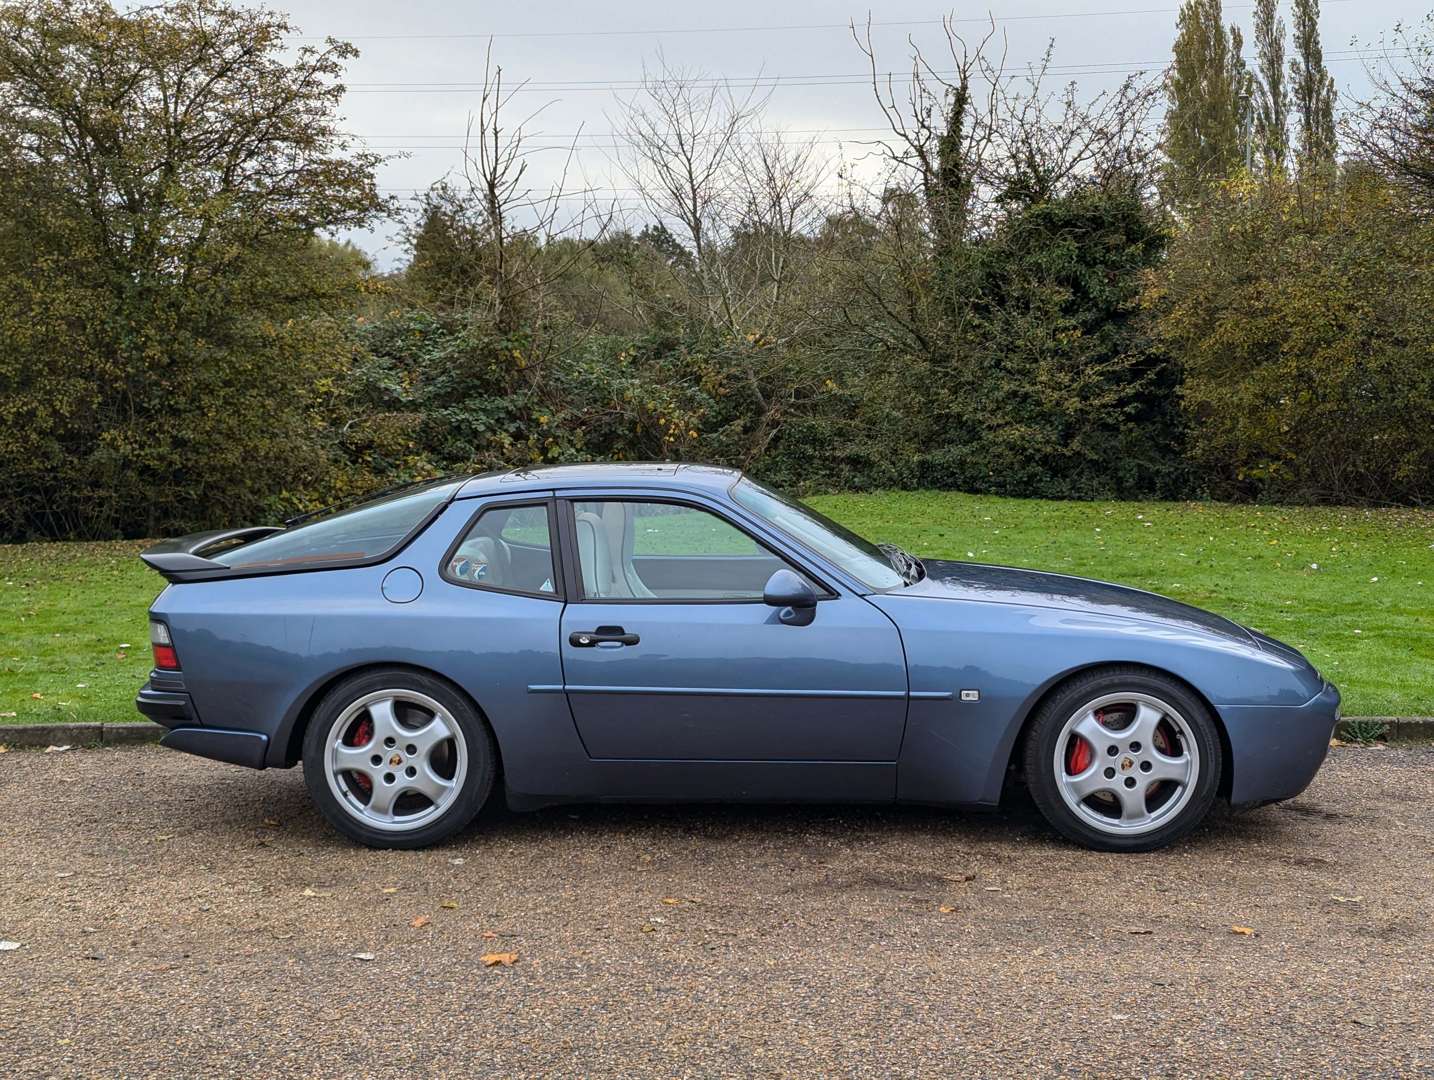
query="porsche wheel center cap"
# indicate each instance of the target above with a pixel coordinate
(1126, 764)
(397, 759)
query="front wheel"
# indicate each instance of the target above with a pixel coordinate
(398, 759)
(1123, 760)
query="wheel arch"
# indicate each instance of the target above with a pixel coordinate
(1016, 752)
(290, 741)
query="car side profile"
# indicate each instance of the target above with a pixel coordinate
(678, 632)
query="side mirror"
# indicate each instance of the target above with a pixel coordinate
(793, 595)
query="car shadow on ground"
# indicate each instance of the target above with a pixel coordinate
(247, 803)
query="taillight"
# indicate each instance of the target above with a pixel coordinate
(165, 658)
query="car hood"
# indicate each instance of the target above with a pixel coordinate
(1035, 588)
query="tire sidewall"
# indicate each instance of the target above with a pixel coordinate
(1046, 731)
(479, 745)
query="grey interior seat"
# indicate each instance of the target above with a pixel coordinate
(594, 562)
(619, 519)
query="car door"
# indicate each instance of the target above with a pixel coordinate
(670, 653)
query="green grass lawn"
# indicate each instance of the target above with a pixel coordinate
(1354, 589)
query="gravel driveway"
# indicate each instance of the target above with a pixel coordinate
(187, 918)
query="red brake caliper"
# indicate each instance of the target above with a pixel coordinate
(1078, 757)
(362, 733)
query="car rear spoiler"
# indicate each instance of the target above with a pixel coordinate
(182, 559)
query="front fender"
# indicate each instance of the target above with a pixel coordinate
(1011, 655)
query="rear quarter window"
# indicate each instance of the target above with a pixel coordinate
(366, 531)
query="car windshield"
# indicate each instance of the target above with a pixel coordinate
(858, 557)
(357, 532)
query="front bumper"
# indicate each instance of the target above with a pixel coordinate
(174, 710)
(1276, 750)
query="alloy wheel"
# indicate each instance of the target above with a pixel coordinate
(1126, 763)
(395, 759)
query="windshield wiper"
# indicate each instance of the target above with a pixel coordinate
(904, 563)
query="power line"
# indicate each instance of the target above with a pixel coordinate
(765, 29)
(775, 81)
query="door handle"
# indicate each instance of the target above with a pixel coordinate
(603, 635)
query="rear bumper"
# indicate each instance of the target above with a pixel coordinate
(174, 710)
(168, 708)
(247, 748)
(1276, 750)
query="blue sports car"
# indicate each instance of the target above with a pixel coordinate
(680, 632)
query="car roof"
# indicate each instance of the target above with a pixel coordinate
(665, 475)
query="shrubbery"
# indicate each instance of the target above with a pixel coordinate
(1019, 309)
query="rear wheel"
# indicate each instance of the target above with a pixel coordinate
(1123, 759)
(398, 759)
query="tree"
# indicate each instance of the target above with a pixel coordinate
(1299, 309)
(1272, 111)
(1312, 87)
(1208, 93)
(167, 171)
(1394, 129)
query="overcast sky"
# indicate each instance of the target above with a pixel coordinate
(422, 44)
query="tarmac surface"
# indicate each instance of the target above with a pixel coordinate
(179, 917)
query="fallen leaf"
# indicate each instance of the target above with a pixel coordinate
(1338, 742)
(9, 946)
(420, 921)
(648, 928)
(389, 890)
(57, 749)
(451, 905)
(165, 836)
(1345, 899)
(364, 956)
(671, 901)
(507, 959)
(38, 697)
(315, 892)
(1244, 931)
(946, 909)
(488, 935)
(270, 823)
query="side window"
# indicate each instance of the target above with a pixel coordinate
(633, 550)
(508, 547)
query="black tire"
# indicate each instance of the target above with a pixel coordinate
(478, 745)
(1077, 695)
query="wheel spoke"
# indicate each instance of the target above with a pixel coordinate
(1142, 728)
(1169, 768)
(384, 797)
(1089, 782)
(429, 783)
(1132, 804)
(428, 737)
(353, 759)
(385, 720)
(1092, 731)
